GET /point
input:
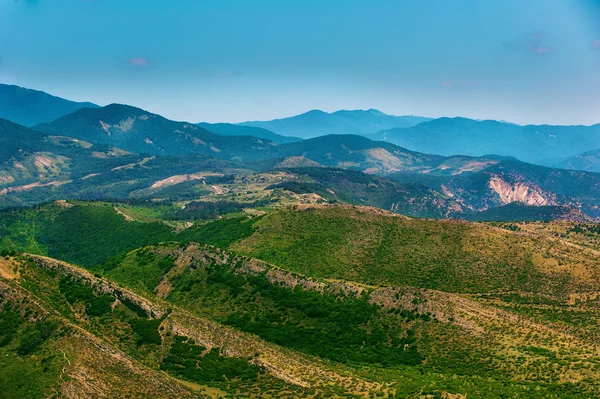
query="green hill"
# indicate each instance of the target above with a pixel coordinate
(375, 247)
(306, 301)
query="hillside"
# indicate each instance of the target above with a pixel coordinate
(512, 181)
(588, 161)
(90, 337)
(544, 144)
(142, 132)
(350, 301)
(319, 123)
(30, 159)
(338, 185)
(518, 212)
(328, 318)
(372, 247)
(30, 107)
(229, 129)
(37, 167)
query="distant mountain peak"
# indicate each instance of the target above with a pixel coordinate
(316, 112)
(30, 107)
(318, 123)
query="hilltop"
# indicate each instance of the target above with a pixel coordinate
(139, 131)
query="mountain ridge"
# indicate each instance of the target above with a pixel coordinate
(230, 129)
(317, 123)
(30, 107)
(540, 144)
(136, 130)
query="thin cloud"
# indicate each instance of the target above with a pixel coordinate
(138, 62)
(596, 44)
(532, 43)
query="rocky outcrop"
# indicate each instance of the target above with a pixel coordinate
(520, 192)
(152, 310)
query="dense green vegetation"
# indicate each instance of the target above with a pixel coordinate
(29, 366)
(146, 330)
(519, 212)
(348, 330)
(413, 350)
(90, 233)
(221, 233)
(87, 235)
(10, 320)
(188, 360)
(95, 304)
(343, 329)
(125, 326)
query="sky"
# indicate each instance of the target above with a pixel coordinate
(524, 61)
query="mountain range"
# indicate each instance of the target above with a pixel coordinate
(544, 144)
(89, 162)
(588, 161)
(120, 151)
(570, 147)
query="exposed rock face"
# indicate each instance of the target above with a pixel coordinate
(519, 192)
(101, 285)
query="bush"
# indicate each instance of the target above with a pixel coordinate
(185, 360)
(147, 331)
(33, 337)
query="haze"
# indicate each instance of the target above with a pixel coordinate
(531, 61)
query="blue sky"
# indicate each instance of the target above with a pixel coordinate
(526, 61)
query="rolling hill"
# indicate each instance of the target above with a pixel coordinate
(319, 123)
(304, 302)
(588, 161)
(38, 167)
(31, 157)
(29, 107)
